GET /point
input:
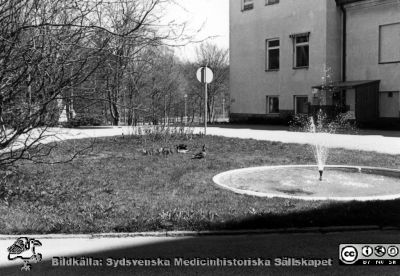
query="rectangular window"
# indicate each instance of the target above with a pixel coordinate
(272, 54)
(301, 104)
(272, 104)
(247, 5)
(389, 43)
(271, 2)
(301, 50)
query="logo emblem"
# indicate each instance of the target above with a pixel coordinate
(393, 251)
(24, 249)
(380, 251)
(349, 254)
(367, 251)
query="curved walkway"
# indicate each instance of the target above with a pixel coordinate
(377, 141)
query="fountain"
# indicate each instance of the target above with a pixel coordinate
(319, 149)
(318, 127)
(340, 183)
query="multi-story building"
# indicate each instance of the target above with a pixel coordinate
(280, 51)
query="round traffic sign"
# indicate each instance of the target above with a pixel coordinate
(205, 75)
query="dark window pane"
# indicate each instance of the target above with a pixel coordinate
(302, 55)
(273, 105)
(273, 43)
(273, 59)
(302, 39)
(302, 105)
(270, 2)
(247, 5)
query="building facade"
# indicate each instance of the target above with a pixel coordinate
(282, 52)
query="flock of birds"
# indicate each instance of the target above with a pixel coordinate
(181, 148)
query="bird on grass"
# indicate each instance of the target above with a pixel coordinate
(201, 154)
(182, 148)
(166, 151)
(147, 151)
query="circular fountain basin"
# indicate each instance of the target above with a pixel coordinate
(341, 183)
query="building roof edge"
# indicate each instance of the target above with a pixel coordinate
(344, 2)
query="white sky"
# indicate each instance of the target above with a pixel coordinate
(213, 15)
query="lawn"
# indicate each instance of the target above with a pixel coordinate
(116, 188)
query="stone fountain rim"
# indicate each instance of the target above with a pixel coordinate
(216, 180)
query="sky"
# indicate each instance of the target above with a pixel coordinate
(211, 15)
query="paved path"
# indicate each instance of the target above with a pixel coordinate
(266, 246)
(377, 141)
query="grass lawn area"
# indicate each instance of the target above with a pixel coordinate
(115, 188)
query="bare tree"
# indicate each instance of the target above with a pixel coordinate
(41, 55)
(52, 49)
(218, 60)
(136, 28)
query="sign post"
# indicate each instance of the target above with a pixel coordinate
(205, 75)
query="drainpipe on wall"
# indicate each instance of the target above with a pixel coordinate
(344, 42)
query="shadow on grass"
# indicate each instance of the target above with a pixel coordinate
(379, 214)
(376, 213)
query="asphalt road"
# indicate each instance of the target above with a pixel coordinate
(265, 246)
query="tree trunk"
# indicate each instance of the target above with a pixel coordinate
(115, 114)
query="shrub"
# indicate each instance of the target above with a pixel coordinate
(84, 120)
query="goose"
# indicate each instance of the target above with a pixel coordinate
(201, 154)
(159, 151)
(181, 148)
(166, 151)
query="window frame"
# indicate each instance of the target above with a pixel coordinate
(267, 57)
(380, 45)
(295, 102)
(267, 2)
(268, 97)
(300, 44)
(250, 5)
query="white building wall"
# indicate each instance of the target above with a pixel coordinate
(249, 82)
(334, 39)
(363, 21)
